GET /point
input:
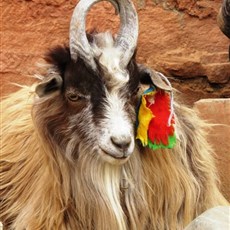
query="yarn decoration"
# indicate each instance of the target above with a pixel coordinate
(155, 119)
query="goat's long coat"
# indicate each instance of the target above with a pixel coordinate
(42, 189)
(69, 159)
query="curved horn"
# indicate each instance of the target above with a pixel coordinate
(79, 44)
(223, 18)
(128, 34)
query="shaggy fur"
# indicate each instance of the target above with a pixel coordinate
(41, 189)
(52, 176)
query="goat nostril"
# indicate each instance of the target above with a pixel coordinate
(121, 142)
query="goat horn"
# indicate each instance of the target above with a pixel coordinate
(79, 44)
(223, 18)
(128, 34)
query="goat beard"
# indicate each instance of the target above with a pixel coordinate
(90, 190)
(108, 193)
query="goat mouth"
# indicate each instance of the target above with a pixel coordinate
(111, 158)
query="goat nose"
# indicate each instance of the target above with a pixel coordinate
(121, 142)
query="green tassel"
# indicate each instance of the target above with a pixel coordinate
(171, 141)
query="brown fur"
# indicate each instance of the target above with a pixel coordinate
(43, 189)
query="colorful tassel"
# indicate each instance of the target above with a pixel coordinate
(144, 117)
(155, 120)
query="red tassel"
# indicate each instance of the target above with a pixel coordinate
(159, 131)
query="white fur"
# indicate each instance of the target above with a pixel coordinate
(116, 124)
(109, 58)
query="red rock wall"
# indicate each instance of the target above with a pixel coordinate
(177, 37)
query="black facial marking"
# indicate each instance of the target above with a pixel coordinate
(145, 78)
(134, 76)
(87, 82)
(79, 77)
(60, 57)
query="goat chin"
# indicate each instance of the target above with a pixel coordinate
(112, 160)
(42, 189)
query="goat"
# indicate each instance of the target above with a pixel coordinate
(69, 158)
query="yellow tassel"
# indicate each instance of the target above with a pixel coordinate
(144, 117)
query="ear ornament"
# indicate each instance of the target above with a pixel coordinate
(155, 118)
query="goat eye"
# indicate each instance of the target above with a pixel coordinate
(73, 97)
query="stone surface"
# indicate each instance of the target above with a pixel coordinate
(217, 112)
(216, 218)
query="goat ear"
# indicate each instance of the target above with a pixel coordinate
(49, 85)
(152, 77)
